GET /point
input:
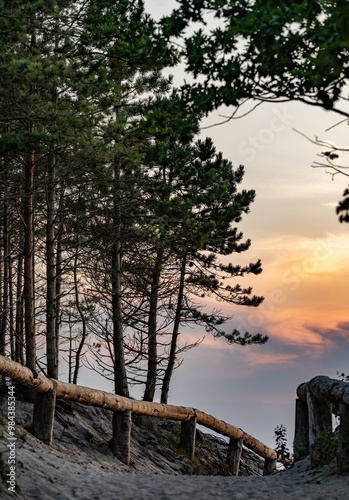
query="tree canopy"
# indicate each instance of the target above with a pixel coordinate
(264, 50)
(116, 221)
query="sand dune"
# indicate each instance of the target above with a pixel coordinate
(80, 466)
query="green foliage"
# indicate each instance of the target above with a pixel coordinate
(343, 208)
(283, 453)
(343, 377)
(264, 50)
(301, 447)
(280, 439)
(326, 447)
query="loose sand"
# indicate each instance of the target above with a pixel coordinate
(45, 475)
(80, 465)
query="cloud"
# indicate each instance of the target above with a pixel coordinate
(272, 358)
(295, 349)
(334, 337)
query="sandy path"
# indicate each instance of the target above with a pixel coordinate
(67, 472)
(44, 476)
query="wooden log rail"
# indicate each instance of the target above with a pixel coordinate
(317, 400)
(50, 389)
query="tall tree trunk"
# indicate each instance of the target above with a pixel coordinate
(59, 270)
(29, 242)
(11, 305)
(120, 442)
(120, 374)
(150, 385)
(51, 342)
(5, 275)
(29, 287)
(52, 333)
(82, 317)
(175, 333)
(1, 278)
(19, 343)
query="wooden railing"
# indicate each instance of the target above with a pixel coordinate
(51, 390)
(319, 399)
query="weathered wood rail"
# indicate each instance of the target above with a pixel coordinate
(317, 400)
(49, 390)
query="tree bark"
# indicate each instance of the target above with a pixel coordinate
(29, 242)
(59, 271)
(174, 340)
(320, 422)
(121, 440)
(301, 434)
(82, 317)
(11, 303)
(51, 342)
(19, 342)
(5, 274)
(343, 455)
(120, 374)
(234, 454)
(29, 293)
(188, 435)
(150, 385)
(43, 416)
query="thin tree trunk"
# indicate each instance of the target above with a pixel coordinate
(175, 333)
(150, 386)
(19, 357)
(29, 244)
(70, 356)
(11, 306)
(1, 278)
(120, 442)
(59, 271)
(5, 276)
(120, 374)
(51, 343)
(82, 317)
(29, 294)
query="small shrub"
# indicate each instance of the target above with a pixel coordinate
(283, 453)
(301, 445)
(280, 439)
(325, 447)
(343, 377)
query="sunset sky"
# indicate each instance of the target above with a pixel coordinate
(304, 251)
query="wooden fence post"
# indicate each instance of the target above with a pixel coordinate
(188, 433)
(44, 416)
(343, 455)
(320, 421)
(120, 443)
(269, 467)
(301, 434)
(234, 454)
